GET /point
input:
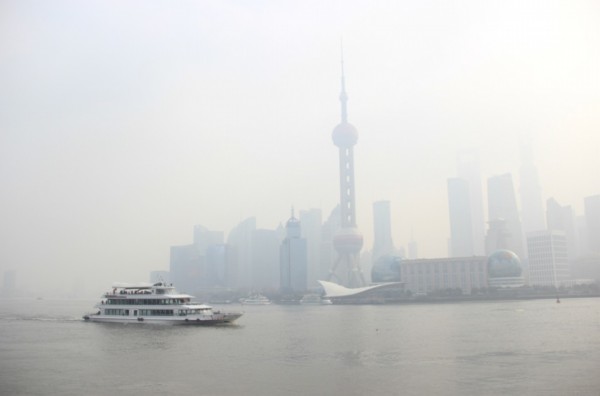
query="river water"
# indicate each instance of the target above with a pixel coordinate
(535, 347)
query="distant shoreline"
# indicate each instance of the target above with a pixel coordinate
(455, 299)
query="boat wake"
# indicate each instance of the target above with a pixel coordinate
(40, 318)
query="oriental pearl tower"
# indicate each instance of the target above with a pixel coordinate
(348, 241)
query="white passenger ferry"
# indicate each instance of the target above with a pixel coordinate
(157, 303)
(255, 299)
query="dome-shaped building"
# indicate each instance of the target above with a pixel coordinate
(504, 269)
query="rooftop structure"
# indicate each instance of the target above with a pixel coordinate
(374, 294)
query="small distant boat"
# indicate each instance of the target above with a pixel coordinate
(155, 303)
(289, 301)
(220, 302)
(315, 299)
(255, 299)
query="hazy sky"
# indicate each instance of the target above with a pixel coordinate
(124, 123)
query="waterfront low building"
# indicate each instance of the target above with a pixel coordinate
(425, 276)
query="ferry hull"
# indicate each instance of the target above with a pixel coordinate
(206, 321)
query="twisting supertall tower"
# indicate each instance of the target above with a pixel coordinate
(348, 241)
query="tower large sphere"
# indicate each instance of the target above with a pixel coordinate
(344, 135)
(348, 241)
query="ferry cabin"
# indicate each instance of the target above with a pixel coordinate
(143, 301)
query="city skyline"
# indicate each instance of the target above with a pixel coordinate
(124, 126)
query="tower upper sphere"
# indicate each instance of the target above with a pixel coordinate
(344, 135)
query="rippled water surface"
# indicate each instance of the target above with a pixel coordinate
(513, 347)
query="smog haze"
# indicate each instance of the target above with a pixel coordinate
(124, 124)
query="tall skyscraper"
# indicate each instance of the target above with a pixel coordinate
(311, 231)
(561, 218)
(532, 209)
(348, 241)
(204, 238)
(327, 253)
(592, 222)
(240, 239)
(265, 260)
(220, 266)
(293, 259)
(190, 265)
(497, 236)
(382, 230)
(502, 205)
(186, 268)
(468, 169)
(461, 226)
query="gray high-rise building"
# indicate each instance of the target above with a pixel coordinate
(592, 222)
(293, 259)
(327, 253)
(532, 209)
(382, 230)
(190, 265)
(502, 205)
(548, 258)
(312, 232)
(220, 266)
(265, 260)
(461, 226)
(561, 218)
(497, 236)
(216, 257)
(468, 169)
(204, 238)
(186, 268)
(240, 240)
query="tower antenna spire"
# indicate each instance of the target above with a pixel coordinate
(343, 95)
